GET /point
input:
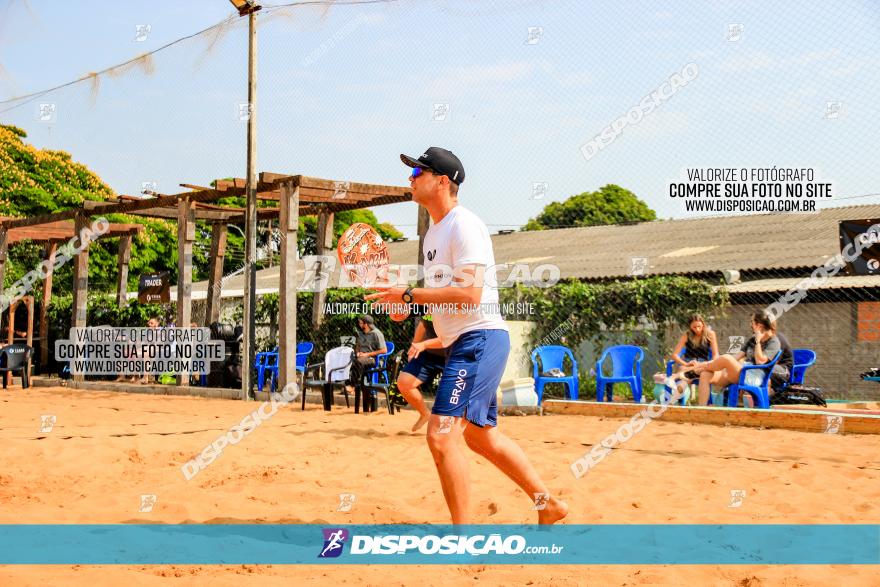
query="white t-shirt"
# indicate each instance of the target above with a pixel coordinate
(460, 239)
(340, 356)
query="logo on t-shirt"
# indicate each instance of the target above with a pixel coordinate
(431, 254)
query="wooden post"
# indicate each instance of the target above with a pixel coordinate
(271, 254)
(324, 244)
(10, 330)
(29, 304)
(288, 224)
(4, 239)
(186, 234)
(122, 274)
(29, 301)
(51, 249)
(80, 275)
(424, 222)
(80, 280)
(215, 273)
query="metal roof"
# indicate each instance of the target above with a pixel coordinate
(694, 246)
(785, 284)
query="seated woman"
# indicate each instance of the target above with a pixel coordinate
(699, 343)
(759, 349)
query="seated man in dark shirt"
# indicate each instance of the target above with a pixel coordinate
(370, 343)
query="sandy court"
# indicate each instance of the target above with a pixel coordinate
(107, 449)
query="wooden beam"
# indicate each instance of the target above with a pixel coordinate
(64, 230)
(318, 195)
(324, 244)
(330, 185)
(801, 420)
(288, 225)
(80, 280)
(279, 178)
(122, 261)
(170, 212)
(215, 273)
(115, 208)
(186, 234)
(51, 249)
(423, 223)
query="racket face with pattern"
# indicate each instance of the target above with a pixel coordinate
(364, 255)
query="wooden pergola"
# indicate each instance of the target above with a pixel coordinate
(295, 195)
(51, 234)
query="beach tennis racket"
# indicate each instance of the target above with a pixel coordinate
(364, 255)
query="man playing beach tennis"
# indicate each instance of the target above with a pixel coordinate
(458, 252)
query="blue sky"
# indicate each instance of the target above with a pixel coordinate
(341, 93)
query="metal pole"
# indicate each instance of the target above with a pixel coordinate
(250, 247)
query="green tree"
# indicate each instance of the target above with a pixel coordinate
(35, 181)
(611, 204)
(308, 228)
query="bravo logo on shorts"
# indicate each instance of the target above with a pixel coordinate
(459, 386)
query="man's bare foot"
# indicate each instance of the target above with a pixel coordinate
(554, 511)
(423, 419)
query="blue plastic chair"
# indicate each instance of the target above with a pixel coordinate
(626, 367)
(759, 392)
(381, 363)
(303, 350)
(261, 363)
(670, 365)
(553, 357)
(803, 360)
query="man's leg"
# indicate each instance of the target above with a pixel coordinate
(507, 455)
(444, 433)
(707, 378)
(356, 373)
(408, 386)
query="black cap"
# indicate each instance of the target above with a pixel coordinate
(439, 160)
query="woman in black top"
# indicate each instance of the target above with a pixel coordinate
(700, 344)
(761, 348)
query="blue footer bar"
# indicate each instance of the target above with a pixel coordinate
(439, 544)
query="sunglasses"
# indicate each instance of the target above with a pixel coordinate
(417, 171)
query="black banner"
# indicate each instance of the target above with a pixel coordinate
(154, 288)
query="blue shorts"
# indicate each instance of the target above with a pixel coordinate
(474, 366)
(426, 366)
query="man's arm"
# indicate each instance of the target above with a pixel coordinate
(469, 293)
(677, 350)
(420, 332)
(383, 348)
(416, 348)
(767, 350)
